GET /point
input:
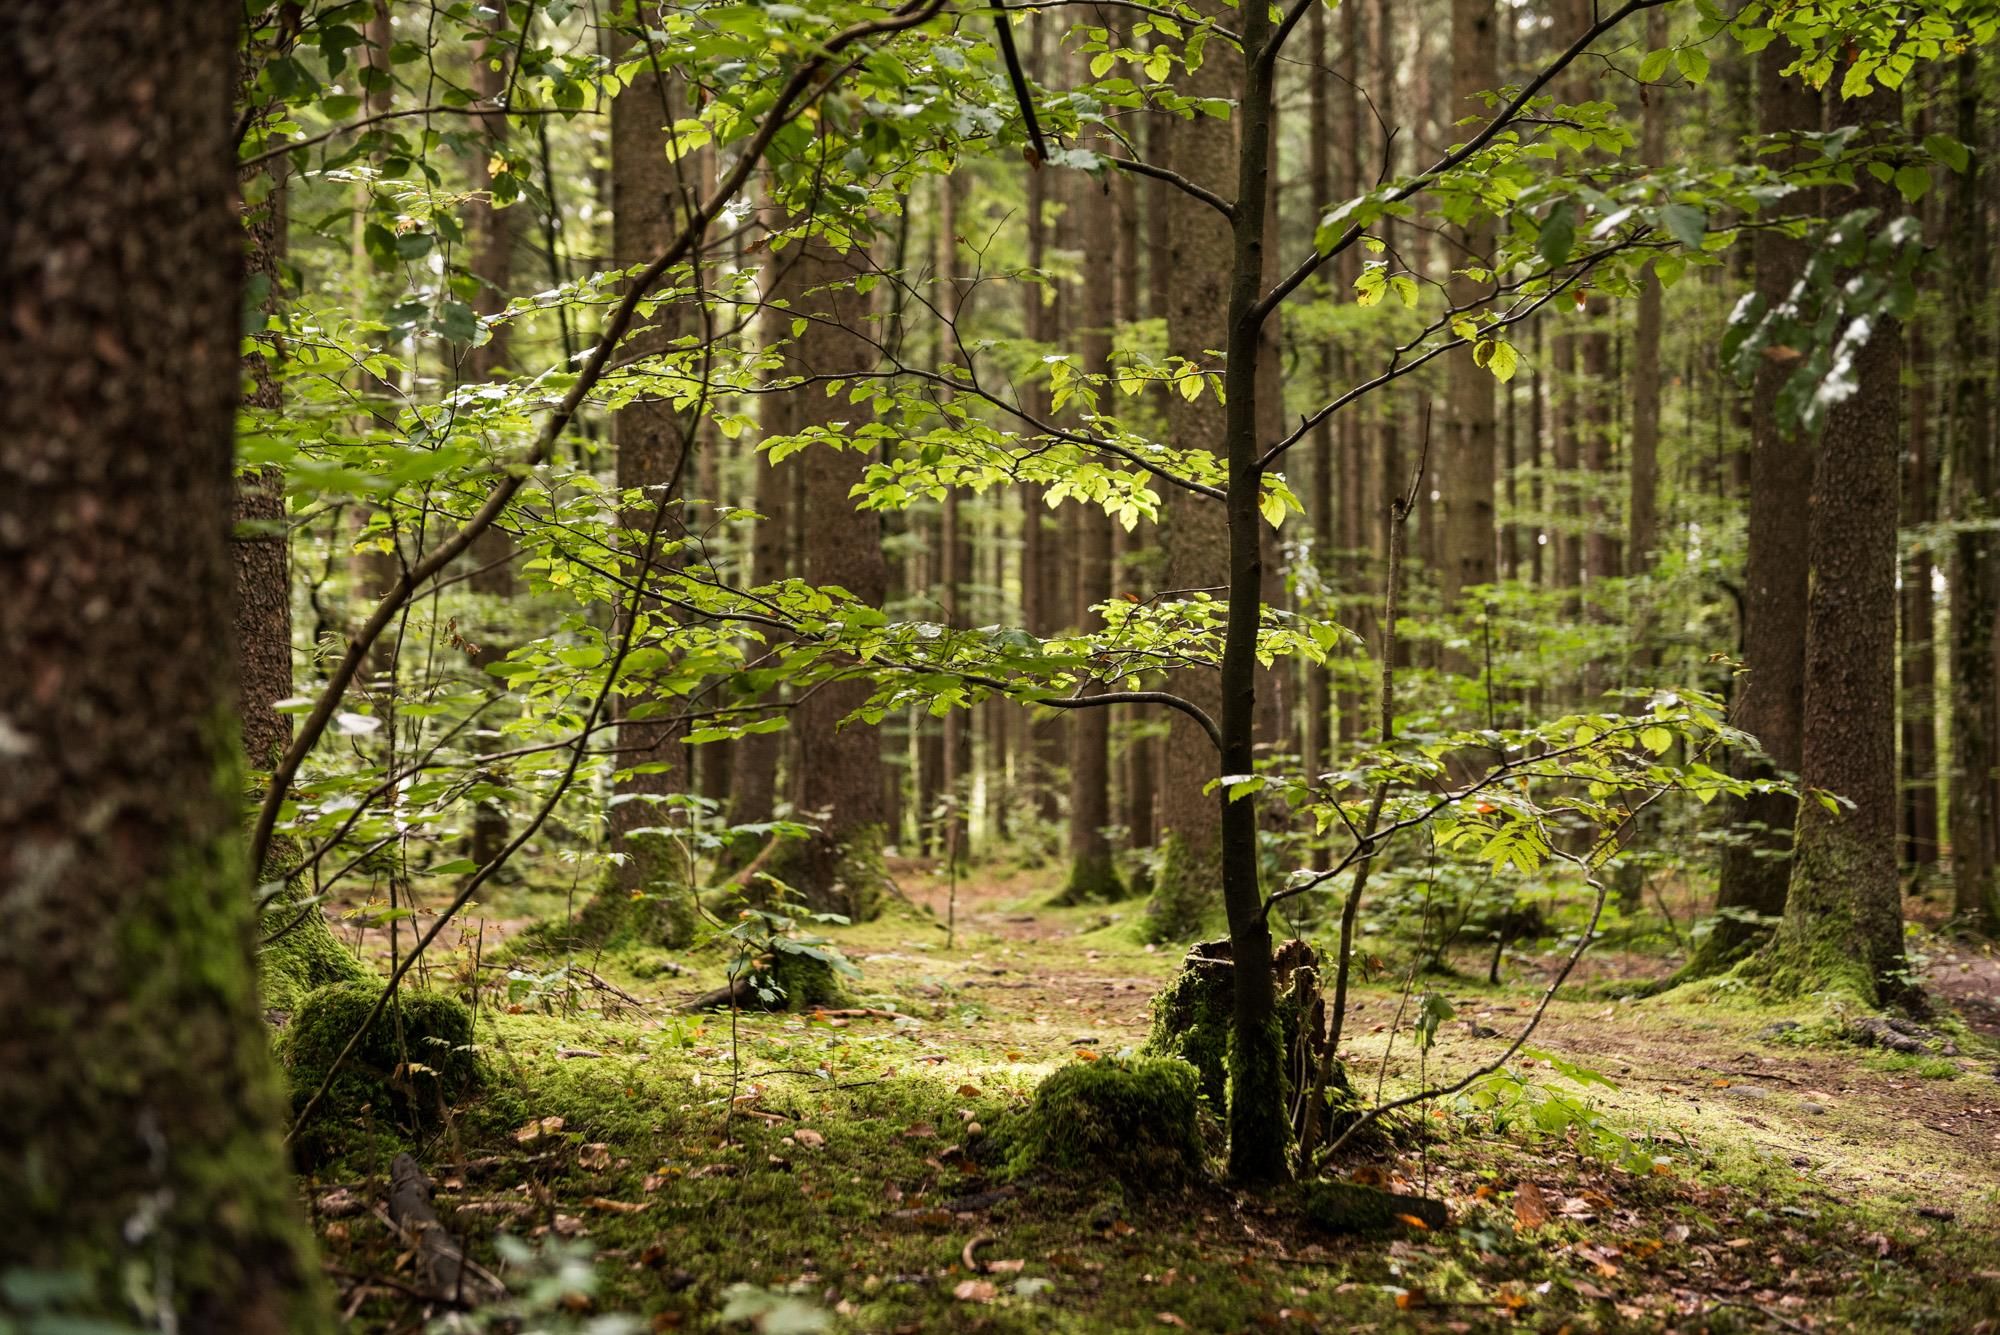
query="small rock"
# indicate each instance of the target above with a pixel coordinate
(1813, 1109)
(1745, 1091)
(1777, 1029)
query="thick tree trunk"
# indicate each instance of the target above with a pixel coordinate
(1194, 529)
(1916, 701)
(1974, 561)
(837, 777)
(136, 1080)
(652, 440)
(1843, 923)
(1756, 864)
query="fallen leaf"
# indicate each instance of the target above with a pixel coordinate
(536, 1129)
(808, 1137)
(968, 1091)
(617, 1207)
(1531, 1208)
(1086, 1054)
(594, 1156)
(1169, 1319)
(1413, 1222)
(975, 1291)
(1005, 1267)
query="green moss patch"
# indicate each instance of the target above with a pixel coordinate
(410, 1064)
(1133, 1122)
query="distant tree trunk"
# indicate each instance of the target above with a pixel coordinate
(1642, 517)
(303, 952)
(1916, 701)
(1194, 530)
(492, 555)
(1974, 562)
(1324, 513)
(1465, 473)
(375, 570)
(837, 777)
(651, 440)
(1843, 923)
(753, 777)
(1756, 864)
(955, 552)
(136, 1080)
(1092, 875)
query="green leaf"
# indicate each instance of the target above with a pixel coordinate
(1913, 182)
(1558, 235)
(1655, 64)
(1657, 740)
(1692, 62)
(1687, 222)
(1948, 150)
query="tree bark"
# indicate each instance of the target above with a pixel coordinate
(1974, 559)
(1756, 863)
(1843, 923)
(1194, 530)
(651, 441)
(135, 1074)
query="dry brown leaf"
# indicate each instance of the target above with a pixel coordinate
(594, 1156)
(617, 1207)
(1169, 1319)
(975, 1291)
(1005, 1267)
(968, 1091)
(1531, 1208)
(808, 1137)
(536, 1129)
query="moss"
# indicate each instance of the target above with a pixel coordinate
(305, 957)
(414, 1060)
(1191, 1019)
(1092, 880)
(1350, 1207)
(844, 875)
(616, 919)
(1187, 900)
(1260, 1131)
(803, 981)
(1135, 1122)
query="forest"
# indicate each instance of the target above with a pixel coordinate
(999, 665)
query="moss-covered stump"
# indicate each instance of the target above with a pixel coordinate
(1134, 1122)
(412, 1062)
(1194, 1014)
(303, 955)
(615, 919)
(802, 981)
(1349, 1207)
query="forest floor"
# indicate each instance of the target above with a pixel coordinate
(1692, 1161)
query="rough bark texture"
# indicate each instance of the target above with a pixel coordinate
(1916, 700)
(1642, 519)
(1092, 875)
(1974, 559)
(1466, 473)
(837, 781)
(135, 1076)
(651, 440)
(492, 555)
(1756, 866)
(1843, 923)
(955, 569)
(1194, 531)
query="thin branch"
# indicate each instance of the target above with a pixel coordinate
(1152, 171)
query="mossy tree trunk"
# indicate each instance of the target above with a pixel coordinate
(1843, 923)
(136, 1080)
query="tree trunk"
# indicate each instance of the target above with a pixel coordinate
(651, 441)
(1465, 472)
(955, 552)
(1916, 701)
(1974, 560)
(1756, 863)
(1194, 529)
(135, 1073)
(837, 777)
(492, 555)
(1843, 923)
(1092, 875)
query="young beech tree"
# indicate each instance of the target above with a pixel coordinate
(136, 1080)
